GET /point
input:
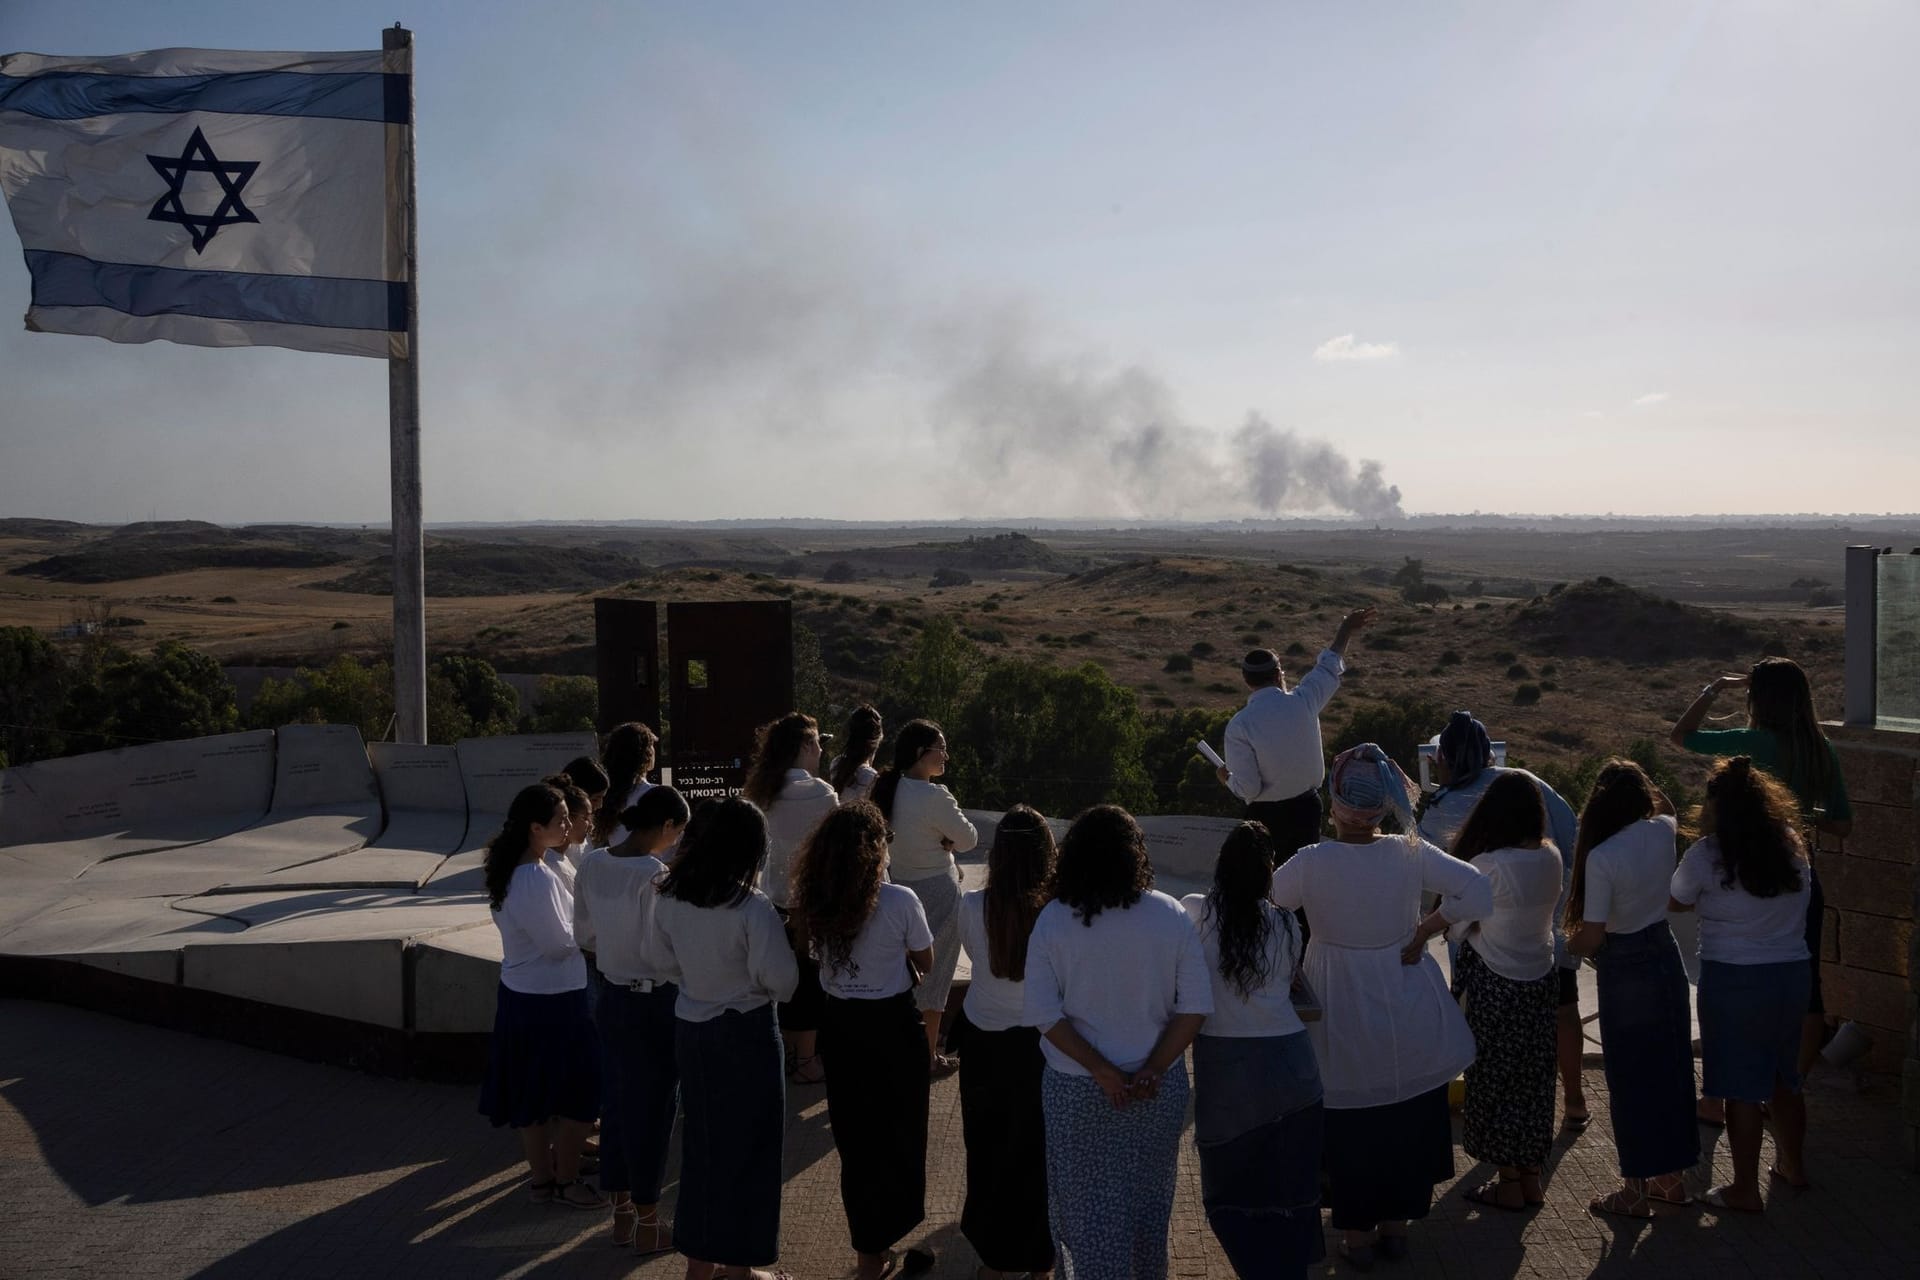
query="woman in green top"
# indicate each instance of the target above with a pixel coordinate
(1783, 736)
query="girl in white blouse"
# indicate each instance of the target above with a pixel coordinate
(1257, 1117)
(725, 940)
(1392, 1037)
(928, 830)
(614, 904)
(1505, 980)
(1617, 913)
(1117, 984)
(1005, 1216)
(852, 773)
(870, 939)
(782, 781)
(543, 1071)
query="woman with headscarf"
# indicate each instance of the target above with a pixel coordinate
(1392, 1037)
(1463, 765)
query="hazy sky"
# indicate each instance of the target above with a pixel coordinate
(882, 260)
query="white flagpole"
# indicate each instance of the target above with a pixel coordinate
(403, 426)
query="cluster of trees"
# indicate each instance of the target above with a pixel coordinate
(92, 695)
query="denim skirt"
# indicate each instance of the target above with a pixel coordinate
(1647, 1048)
(1750, 1018)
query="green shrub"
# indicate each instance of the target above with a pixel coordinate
(1526, 695)
(1178, 662)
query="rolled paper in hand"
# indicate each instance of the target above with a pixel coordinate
(1213, 757)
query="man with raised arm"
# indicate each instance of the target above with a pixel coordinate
(1275, 760)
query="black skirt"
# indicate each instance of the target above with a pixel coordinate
(1382, 1162)
(802, 1013)
(1005, 1218)
(875, 1053)
(543, 1060)
(733, 1102)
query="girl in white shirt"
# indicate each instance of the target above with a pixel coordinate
(1005, 1217)
(725, 940)
(1623, 864)
(627, 758)
(852, 773)
(543, 1070)
(1749, 878)
(781, 781)
(1117, 984)
(1505, 979)
(928, 830)
(871, 941)
(614, 903)
(1256, 1109)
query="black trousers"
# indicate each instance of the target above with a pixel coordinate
(1294, 824)
(877, 1091)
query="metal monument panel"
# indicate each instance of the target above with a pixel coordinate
(731, 668)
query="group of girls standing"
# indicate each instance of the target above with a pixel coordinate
(832, 909)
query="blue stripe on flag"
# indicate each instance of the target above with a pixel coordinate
(69, 280)
(76, 95)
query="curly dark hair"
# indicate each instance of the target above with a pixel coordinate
(836, 881)
(1103, 863)
(1622, 795)
(1019, 883)
(776, 745)
(533, 806)
(1754, 820)
(1242, 918)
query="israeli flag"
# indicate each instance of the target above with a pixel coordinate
(211, 197)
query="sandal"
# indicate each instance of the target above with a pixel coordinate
(1623, 1204)
(942, 1066)
(1659, 1189)
(540, 1191)
(1717, 1198)
(576, 1194)
(1576, 1123)
(626, 1220)
(1798, 1184)
(652, 1235)
(1488, 1194)
(808, 1070)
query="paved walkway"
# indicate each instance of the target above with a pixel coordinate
(127, 1150)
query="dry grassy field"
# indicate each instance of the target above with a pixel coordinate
(1568, 640)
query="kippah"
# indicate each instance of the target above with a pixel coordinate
(1259, 662)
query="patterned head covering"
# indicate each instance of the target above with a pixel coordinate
(1367, 785)
(1465, 747)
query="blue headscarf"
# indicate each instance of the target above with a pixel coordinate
(1465, 748)
(1366, 785)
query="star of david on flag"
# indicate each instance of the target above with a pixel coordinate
(212, 197)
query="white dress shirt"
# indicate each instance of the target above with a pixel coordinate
(1273, 743)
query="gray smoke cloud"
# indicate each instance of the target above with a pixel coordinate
(783, 321)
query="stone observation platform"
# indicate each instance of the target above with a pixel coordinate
(304, 891)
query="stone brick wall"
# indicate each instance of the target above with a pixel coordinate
(1870, 968)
